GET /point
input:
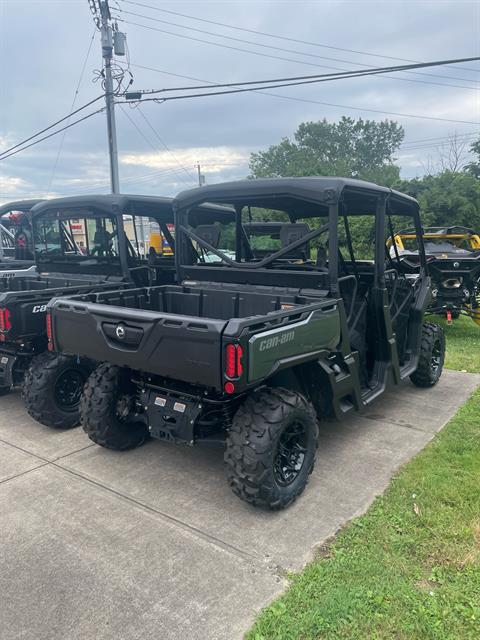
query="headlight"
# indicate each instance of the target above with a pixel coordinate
(452, 283)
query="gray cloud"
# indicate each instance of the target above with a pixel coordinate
(43, 46)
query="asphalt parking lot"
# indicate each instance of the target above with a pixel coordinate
(152, 544)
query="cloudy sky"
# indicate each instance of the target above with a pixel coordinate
(44, 44)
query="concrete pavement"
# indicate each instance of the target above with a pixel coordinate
(152, 544)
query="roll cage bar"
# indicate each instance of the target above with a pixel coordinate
(383, 201)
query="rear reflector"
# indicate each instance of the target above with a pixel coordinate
(5, 323)
(229, 387)
(48, 320)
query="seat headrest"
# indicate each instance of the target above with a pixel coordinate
(210, 233)
(290, 233)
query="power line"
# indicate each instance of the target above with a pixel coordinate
(324, 77)
(369, 109)
(75, 96)
(435, 142)
(148, 141)
(130, 179)
(35, 135)
(50, 135)
(273, 35)
(438, 145)
(163, 143)
(274, 57)
(310, 101)
(312, 55)
(462, 135)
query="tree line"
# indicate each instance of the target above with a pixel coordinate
(365, 149)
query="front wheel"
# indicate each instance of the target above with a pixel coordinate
(271, 447)
(108, 410)
(431, 357)
(52, 388)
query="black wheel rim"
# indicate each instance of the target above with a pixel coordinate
(68, 389)
(123, 407)
(436, 358)
(291, 453)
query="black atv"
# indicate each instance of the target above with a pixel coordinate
(453, 256)
(249, 351)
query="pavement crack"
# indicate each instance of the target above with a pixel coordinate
(251, 559)
(16, 446)
(66, 455)
(24, 473)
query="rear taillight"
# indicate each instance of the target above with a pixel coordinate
(238, 361)
(230, 361)
(48, 320)
(233, 361)
(5, 323)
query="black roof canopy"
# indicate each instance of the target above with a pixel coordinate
(22, 206)
(300, 197)
(102, 204)
(158, 207)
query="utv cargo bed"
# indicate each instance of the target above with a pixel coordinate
(24, 301)
(181, 332)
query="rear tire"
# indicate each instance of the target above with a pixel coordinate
(432, 356)
(107, 403)
(52, 388)
(271, 447)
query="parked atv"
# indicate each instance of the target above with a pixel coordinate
(16, 247)
(81, 244)
(453, 255)
(250, 351)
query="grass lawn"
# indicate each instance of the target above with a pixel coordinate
(463, 344)
(410, 567)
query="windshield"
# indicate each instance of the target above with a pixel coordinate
(437, 244)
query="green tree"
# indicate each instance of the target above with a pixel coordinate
(473, 168)
(353, 148)
(448, 198)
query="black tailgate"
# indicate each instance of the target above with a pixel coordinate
(165, 344)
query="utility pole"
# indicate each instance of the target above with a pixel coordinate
(201, 177)
(107, 51)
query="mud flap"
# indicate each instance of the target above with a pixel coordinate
(7, 362)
